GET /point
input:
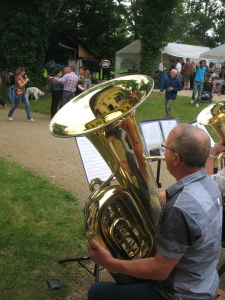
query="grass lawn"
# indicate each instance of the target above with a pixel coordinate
(40, 223)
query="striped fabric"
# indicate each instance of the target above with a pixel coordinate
(189, 229)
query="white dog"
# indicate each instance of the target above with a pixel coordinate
(35, 92)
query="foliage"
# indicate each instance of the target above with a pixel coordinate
(199, 23)
(24, 35)
(98, 24)
(153, 31)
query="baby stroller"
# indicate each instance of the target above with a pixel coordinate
(207, 92)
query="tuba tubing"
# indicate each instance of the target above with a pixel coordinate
(121, 215)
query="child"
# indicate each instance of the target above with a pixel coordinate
(213, 81)
(215, 74)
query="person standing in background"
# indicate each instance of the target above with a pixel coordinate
(20, 94)
(105, 65)
(1, 101)
(178, 67)
(57, 90)
(11, 87)
(69, 82)
(192, 77)
(186, 71)
(160, 67)
(201, 71)
(162, 74)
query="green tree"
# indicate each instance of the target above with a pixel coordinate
(98, 24)
(156, 18)
(199, 23)
(24, 35)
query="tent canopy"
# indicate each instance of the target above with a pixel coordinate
(171, 51)
(215, 53)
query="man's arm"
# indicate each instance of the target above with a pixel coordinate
(156, 268)
(219, 147)
(163, 197)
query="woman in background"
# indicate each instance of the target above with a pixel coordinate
(20, 94)
(87, 78)
(11, 87)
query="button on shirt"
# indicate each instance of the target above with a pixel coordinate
(70, 82)
(189, 229)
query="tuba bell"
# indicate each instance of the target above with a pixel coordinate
(214, 115)
(120, 216)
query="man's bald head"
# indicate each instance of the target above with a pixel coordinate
(192, 144)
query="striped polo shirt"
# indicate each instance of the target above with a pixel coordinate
(189, 229)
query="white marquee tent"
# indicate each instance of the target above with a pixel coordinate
(171, 51)
(217, 53)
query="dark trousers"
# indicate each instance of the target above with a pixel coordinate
(2, 103)
(56, 102)
(106, 73)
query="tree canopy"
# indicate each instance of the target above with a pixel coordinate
(31, 31)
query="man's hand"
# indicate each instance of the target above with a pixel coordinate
(219, 147)
(99, 255)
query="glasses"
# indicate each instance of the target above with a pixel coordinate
(163, 145)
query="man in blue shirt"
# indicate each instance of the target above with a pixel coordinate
(172, 85)
(201, 71)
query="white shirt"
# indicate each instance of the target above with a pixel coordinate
(160, 67)
(178, 67)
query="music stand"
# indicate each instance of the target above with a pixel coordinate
(79, 260)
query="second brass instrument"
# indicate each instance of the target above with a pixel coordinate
(214, 115)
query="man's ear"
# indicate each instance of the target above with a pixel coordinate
(177, 159)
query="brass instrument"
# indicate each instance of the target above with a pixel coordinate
(214, 115)
(122, 216)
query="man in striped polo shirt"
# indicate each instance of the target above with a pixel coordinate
(69, 85)
(188, 232)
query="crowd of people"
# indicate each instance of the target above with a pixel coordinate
(65, 85)
(188, 76)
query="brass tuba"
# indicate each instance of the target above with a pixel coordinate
(214, 115)
(120, 216)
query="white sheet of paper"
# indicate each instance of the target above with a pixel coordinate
(167, 126)
(152, 135)
(94, 164)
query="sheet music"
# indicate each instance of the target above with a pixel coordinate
(94, 164)
(167, 126)
(152, 135)
(196, 124)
